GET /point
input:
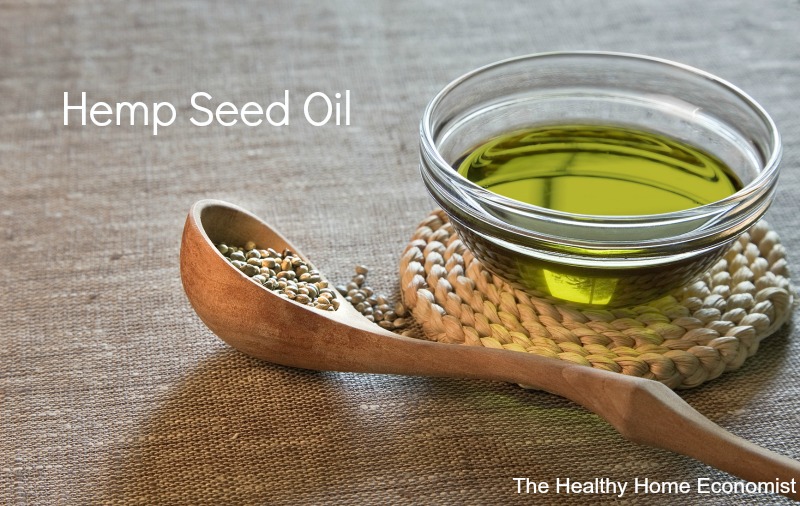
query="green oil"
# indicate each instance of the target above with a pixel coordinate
(599, 170)
(595, 170)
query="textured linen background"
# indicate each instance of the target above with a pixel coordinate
(113, 391)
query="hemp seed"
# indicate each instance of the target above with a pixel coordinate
(293, 278)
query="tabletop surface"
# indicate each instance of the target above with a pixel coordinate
(113, 391)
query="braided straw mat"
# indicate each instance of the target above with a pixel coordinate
(681, 340)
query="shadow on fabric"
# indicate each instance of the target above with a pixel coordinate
(242, 431)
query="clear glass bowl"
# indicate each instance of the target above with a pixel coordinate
(586, 259)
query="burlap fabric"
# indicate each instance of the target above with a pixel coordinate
(111, 389)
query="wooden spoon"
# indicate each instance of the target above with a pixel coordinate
(267, 326)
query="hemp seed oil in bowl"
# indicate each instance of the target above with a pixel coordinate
(589, 169)
(598, 179)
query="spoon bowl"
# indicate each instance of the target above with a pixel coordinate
(247, 316)
(262, 324)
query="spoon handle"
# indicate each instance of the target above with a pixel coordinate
(652, 414)
(643, 411)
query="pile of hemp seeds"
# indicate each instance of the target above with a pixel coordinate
(289, 276)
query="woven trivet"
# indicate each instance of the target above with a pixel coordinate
(682, 340)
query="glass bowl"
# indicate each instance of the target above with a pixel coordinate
(586, 259)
